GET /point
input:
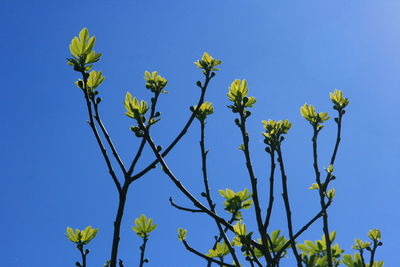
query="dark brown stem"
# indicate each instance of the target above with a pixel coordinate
(83, 254)
(233, 218)
(143, 142)
(322, 193)
(107, 136)
(372, 259)
(117, 224)
(362, 258)
(180, 185)
(207, 188)
(182, 208)
(271, 190)
(255, 258)
(142, 249)
(304, 228)
(285, 196)
(253, 181)
(181, 134)
(96, 134)
(189, 248)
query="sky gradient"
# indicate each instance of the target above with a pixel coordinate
(290, 52)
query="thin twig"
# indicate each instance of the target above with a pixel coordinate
(83, 254)
(182, 208)
(142, 249)
(181, 134)
(189, 248)
(253, 181)
(107, 136)
(287, 206)
(96, 134)
(180, 185)
(372, 259)
(271, 189)
(207, 188)
(143, 142)
(304, 228)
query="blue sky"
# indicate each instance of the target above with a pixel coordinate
(291, 53)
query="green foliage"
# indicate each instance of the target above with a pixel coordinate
(308, 112)
(95, 79)
(274, 130)
(205, 109)
(220, 251)
(207, 63)
(338, 99)
(238, 95)
(329, 169)
(182, 234)
(374, 234)
(360, 245)
(134, 108)
(331, 194)
(234, 202)
(143, 226)
(81, 236)
(314, 254)
(356, 261)
(314, 186)
(155, 82)
(81, 51)
(275, 244)
(242, 238)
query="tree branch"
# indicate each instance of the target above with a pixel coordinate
(183, 131)
(253, 181)
(271, 190)
(108, 138)
(322, 192)
(96, 134)
(189, 248)
(207, 189)
(182, 208)
(287, 206)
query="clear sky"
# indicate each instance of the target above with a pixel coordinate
(291, 52)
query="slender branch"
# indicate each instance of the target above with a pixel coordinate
(362, 258)
(137, 156)
(304, 228)
(253, 181)
(117, 224)
(372, 259)
(250, 260)
(272, 249)
(189, 248)
(107, 136)
(182, 208)
(142, 249)
(207, 188)
(233, 218)
(96, 134)
(83, 254)
(271, 189)
(183, 131)
(322, 190)
(143, 142)
(180, 185)
(204, 166)
(255, 258)
(338, 137)
(287, 206)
